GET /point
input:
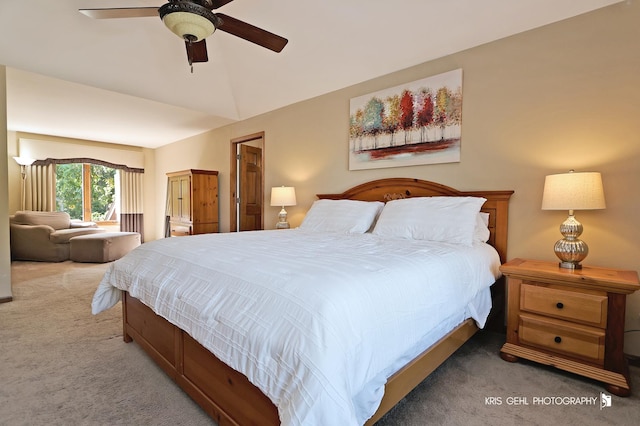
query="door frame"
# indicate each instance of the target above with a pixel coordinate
(233, 177)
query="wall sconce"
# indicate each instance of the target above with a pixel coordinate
(24, 162)
(283, 196)
(572, 191)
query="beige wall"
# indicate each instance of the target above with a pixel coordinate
(545, 101)
(5, 253)
(14, 181)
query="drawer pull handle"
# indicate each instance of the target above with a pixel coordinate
(559, 305)
(557, 339)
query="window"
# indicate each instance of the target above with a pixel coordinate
(87, 192)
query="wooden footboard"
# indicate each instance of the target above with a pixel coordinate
(227, 395)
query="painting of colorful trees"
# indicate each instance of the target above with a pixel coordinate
(412, 124)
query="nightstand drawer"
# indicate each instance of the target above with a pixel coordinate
(576, 340)
(586, 308)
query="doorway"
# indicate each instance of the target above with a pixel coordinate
(247, 183)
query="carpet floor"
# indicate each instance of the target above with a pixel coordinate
(60, 365)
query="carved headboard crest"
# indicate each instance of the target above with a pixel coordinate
(395, 196)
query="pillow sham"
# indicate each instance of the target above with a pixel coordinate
(481, 232)
(445, 219)
(342, 216)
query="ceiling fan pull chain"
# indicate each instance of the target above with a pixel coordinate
(189, 40)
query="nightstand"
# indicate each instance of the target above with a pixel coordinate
(571, 319)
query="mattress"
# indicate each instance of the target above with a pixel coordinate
(317, 321)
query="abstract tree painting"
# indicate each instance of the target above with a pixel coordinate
(407, 125)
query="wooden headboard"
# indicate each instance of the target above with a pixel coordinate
(497, 204)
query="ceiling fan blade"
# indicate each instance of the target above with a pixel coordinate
(219, 3)
(250, 33)
(197, 52)
(126, 12)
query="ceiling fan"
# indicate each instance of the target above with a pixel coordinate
(193, 21)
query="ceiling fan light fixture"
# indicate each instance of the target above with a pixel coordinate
(188, 20)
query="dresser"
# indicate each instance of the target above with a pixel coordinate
(571, 319)
(192, 202)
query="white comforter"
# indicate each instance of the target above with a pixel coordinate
(316, 321)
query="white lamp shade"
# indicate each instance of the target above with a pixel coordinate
(24, 161)
(283, 196)
(573, 191)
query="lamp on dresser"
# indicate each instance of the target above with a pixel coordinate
(572, 191)
(283, 196)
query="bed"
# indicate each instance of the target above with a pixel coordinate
(325, 357)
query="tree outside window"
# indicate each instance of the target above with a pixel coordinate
(87, 191)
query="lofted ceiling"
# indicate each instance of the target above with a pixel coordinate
(127, 81)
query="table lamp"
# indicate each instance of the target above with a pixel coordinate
(283, 196)
(572, 191)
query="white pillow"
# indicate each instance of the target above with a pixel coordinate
(481, 232)
(343, 216)
(445, 219)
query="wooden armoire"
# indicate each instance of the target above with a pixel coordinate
(192, 202)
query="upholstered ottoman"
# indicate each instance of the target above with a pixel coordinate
(104, 247)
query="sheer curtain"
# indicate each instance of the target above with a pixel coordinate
(131, 201)
(40, 187)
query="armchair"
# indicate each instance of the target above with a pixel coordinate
(44, 236)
